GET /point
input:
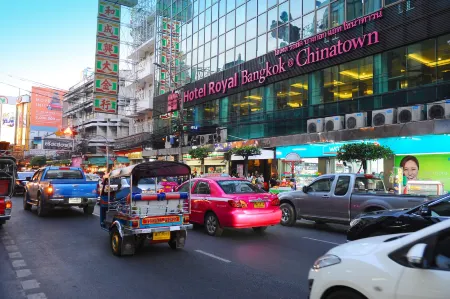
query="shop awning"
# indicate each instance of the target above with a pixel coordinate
(100, 161)
(123, 160)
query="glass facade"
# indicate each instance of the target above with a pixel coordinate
(416, 73)
(208, 36)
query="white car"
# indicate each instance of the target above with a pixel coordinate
(401, 266)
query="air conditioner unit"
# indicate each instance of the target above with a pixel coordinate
(314, 125)
(438, 110)
(204, 139)
(221, 135)
(384, 117)
(410, 113)
(356, 120)
(334, 123)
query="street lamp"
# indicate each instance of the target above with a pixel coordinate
(180, 113)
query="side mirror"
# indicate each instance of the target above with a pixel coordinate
(28, 178)
(425, 211)
(305, 189)
(415, 255)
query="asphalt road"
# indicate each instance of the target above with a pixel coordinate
(67, 255)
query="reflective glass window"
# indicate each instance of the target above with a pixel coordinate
(189, 44)
(194, 57)
(271, 3)
(195, 6)
(239, 2)
(262, 23)
(201, 21)
(295, 31)
(240, 15)
(296, 9)
(213, 64)
(240, 34)
(208, 16)
(252, 9)
(215, 12)
(240, 54)
(371, 5)
(208, 33)
(308, 5)
(208, 3)
(201, 37)
(272, 19)
(393, 70)
(195, 40)
(230, 21)
(354, 9)
(308, 25)
(262, 45)
(283, 36)
(230, 40)
(222, 25)
(220, 62)
(272, 40)
(201, 6)
(207, 50)
(201, 54)
(251, 29)
(214, 29)
(214, 49)
(262, 6)
(443, 58)
(229, 58)
(231, 4)
(322, 16)
(421, 63)
(250, 49)
(337, 13)
(221, 43)
(195, 24)
(222, 7)
(283, 13)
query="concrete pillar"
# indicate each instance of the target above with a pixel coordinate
(388, 166)
(323, 165)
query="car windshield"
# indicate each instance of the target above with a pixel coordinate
(63, 174)
(24, 175)
(236, 187)
(363, 185)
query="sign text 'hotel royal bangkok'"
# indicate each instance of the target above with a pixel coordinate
(305, 56)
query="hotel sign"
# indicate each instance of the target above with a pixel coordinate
(304, 56)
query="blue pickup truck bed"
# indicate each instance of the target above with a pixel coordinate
(52, 187)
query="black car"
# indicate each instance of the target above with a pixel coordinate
(400, 221)
(21, 182)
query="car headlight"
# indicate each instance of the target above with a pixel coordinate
(326, 261)
(355, 222)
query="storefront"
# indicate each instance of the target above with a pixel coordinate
(96, 164)
(214, 163)
(425, 162)
(135, 157)
(260, 164)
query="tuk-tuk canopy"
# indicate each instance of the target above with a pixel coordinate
(152, 169)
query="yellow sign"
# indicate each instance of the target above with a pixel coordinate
(135, 156)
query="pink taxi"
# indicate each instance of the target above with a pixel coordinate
(223, 202)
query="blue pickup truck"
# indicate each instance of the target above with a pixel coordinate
(52, 187)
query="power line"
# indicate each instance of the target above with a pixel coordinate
(42, 84)
(31, 92)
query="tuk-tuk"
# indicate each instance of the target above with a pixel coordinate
(8, 173)
(134, 216)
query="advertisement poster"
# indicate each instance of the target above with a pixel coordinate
(425, 167)
(8, 125)
(58, 144)
(46, 109)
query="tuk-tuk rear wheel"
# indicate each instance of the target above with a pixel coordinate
(116, 242)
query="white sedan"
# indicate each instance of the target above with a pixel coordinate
(402, 266)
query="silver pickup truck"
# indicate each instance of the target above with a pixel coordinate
(338, 198)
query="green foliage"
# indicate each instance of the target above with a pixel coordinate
(199, 153)
(38, 161)
(363, 152)
(246, 151)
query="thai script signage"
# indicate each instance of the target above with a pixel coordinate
(106, 78)
(333, 31)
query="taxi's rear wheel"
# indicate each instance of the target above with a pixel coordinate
(116, 242)
(212, 225)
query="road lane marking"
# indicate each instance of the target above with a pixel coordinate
(12, 248)
(37, 296)
(15, 255)
(30, 284)
(23, 273)
(322, 241)
(96, 214)
(19, 263)
(213, 256)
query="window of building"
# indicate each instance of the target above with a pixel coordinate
(251, 29)
(272, 18)
(252, 9)
(214, 29)
(308, 25)
(229, 59)
(230, 40)
(207, 33)
(271, 3)
(262, 6)
(308, 5)
(262, 45)
(230, 20)
(272, 40)
(240, 15)
(201, 5)
(201, 37)
(296, 9)
(295, 31)
(262, 23)
(207, 50)
(337, 13)
(215, 12)
(443, 58)
(240, 34)
(221, 43)
(208, 16)
(371, 6)
(240, 54)
(421, 63)
(322, 16)
(250, 49)
(354, 9)
(214, 65)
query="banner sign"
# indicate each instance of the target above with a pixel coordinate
(46, 104)
(107, 66)
(105, 104)
(58, 144)
(106, 76)
(108, 48)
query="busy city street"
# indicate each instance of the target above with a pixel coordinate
(66, 255)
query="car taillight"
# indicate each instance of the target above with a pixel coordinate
(135, 223)
(2, 206)
(185, 219)
(237, 203)
(275, 202)
(8, 205)
(50, 190)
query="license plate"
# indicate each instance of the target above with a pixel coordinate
(259, 205)
(161, 236)
(74, 200)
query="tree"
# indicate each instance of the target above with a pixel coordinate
(200, 153)
(245, 152)
(38, 161)
(363, 152)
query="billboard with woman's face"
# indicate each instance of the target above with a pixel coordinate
(426, 167)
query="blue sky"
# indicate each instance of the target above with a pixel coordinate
(48, 41)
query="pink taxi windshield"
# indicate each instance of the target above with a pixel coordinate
(238, 187)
